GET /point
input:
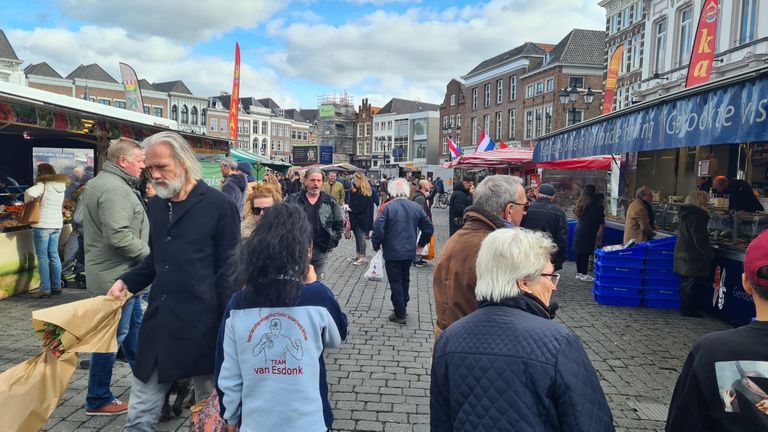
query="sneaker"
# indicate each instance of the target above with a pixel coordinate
(113, 408)
(40, 294)
(56, 291)
(419, 264)
(579, 276)
(587, 278)
(352, 259)
(360, 261)
(394, 318)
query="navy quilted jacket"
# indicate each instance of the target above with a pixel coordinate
(508, 367)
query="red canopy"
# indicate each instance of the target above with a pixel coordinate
(492, 159)
(588, 163)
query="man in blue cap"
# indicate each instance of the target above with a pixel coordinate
(246, 168)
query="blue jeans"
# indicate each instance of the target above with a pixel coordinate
(100, 371)
(48, 261)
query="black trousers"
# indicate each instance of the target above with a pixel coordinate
(688, 287)
(582, 262)
(399, 277)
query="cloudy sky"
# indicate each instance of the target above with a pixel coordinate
(291, 50)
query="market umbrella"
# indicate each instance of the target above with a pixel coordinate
(31, 390)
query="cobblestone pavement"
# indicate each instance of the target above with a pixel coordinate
(379, 378)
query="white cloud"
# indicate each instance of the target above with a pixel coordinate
(154, 58)
(307, 16)
(182, 20)
(415, 53)
(381, 2)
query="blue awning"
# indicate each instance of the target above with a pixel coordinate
(733, 110)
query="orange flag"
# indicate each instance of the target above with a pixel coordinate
(235, 100)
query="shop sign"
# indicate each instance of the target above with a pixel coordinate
(733, 114)
(326, 154)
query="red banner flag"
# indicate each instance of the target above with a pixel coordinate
(703, 52)
(613, 76)
(235, 99)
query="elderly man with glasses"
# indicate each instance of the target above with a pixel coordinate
(499, 202)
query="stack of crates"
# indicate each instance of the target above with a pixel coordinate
(641, 275)
(661, 285)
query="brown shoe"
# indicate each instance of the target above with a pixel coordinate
(113, 408)
(396, 319)
(40, 294)
(56, 291)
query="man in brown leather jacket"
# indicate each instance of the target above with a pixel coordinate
(499, 202)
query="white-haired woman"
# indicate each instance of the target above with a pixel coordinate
(535, 368)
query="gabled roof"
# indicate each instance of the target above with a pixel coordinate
(583, 47)
(224, 99)
(145, 85)
(177, 86)
(404, 106)
(526, 49)
(248, 102)
(6, 50)
(294, 114)
(41, 69)
(91, 72)
(269, 103)
(310, 115)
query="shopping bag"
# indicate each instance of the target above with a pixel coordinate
(347, 226)
(30, 391)
(375, 270)
(206, 416)
(429, 250)
(31, 213)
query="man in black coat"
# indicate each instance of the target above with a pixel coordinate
(545, 216)
(739, 192)
(461, 198)
(194, 229)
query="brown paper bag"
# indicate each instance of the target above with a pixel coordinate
(30, 391)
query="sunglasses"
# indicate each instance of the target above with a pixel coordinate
(553, 277)
(526, 205)
(259, 210)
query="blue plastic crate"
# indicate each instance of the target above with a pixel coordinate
(655, 303)
(661, 280)
(622, 281)
(611, 289)
(633, 252)
(661, 293)
(615, 300)
(660, 253)
(662, 264)
(619, 261)
(622, 272)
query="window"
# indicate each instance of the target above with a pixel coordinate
(684, 35)
(487, 124)
(513, 87)
(445, 122)
(445, 145)
(576, 81)
(499, 126)
(540, 87)
(529, 91)
(367, 130)
(550, 84)
(638, 11)
(158, 112)
(637, 52)
(214, 124)
(660, 46)
(487, 95)
(202, 119)
(453, 121)
(184, 114)
(105, 102)
(625, 57)
(121, 104)
(194, 115)
(748, 22)
(499, 91)
(474, 130)
(626, 19)
(264, 128)
(538, 119)
(547, 119)
(222, 126)
(458, 120)
(574, 117)
(528, 124)
(474, 99)
(511, 127)
(620, 98)
(453, 99)
(174, 113)
(146, 109)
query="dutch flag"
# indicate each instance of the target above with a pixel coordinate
(486, 143)
(455, 151)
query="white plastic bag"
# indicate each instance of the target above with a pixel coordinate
(375, 270)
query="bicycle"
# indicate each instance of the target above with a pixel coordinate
(443, 200)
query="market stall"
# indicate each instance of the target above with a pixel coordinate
(677, 143)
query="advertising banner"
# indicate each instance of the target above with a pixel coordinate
(613, 75)
(326, 154)
(736, 113)
(304, 155)
(703, 52)
(327, 111)
(234, 101)
(133, 99)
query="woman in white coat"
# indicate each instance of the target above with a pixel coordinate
(51, 187)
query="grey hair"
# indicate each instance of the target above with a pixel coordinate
(697, 198)
(314, 170)
(641, 191)
(496, 191)
(399, 187)
(180, 151)
(122, 147)
(229, 162)
(507, 256)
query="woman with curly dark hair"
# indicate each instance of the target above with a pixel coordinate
(269, 357)
(591, 214)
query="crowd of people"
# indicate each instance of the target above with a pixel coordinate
(237, 302)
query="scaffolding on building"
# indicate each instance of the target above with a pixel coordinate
(336, 124)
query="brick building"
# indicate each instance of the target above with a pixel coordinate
(364, 134)
(625, 26)
(451, 110)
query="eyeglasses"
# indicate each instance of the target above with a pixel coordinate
(526, 205)
(259, 210)
(553, 277)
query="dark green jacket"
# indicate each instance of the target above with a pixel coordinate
(693, 253)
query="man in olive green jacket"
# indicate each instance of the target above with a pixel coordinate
(116, 238)
(334, 189)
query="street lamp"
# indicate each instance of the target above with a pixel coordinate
(570, 96)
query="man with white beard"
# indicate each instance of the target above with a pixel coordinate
(194, 229)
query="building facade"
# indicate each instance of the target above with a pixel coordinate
(406, 131)
(451, 110)
(336, 125)
(188, 110)
(10, 64)
(364, 134)
(625, 24)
